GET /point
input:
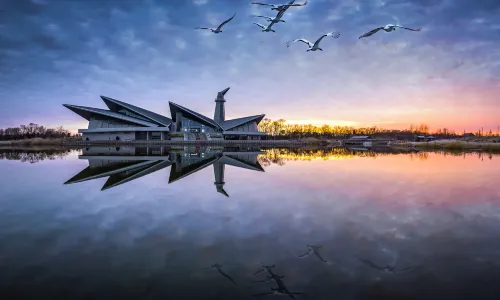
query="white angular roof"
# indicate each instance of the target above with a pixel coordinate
(87, 112)
(114, 105)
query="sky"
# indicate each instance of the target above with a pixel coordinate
(147, 53)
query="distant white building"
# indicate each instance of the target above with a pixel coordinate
(358, 139)
(126, 122)
(423, 138)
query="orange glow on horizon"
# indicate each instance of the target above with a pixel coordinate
(398, 125)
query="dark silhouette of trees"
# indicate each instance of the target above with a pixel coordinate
(279, 129)
(32, 130)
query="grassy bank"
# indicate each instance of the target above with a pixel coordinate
(322, 142)
(32, 142)
(458, 145)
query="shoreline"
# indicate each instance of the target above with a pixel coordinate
(449, 145)
(33, 142)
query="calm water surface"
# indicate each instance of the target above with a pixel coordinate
(197, 223)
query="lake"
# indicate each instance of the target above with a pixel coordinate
(198, 223)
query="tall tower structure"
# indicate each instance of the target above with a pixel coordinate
(220, 111)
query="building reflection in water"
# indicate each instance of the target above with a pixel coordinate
(124, 164)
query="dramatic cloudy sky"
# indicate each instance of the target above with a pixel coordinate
(147, 53)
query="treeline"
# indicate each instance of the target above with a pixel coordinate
(279, 128)
(32, 131)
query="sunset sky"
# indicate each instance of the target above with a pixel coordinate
(147, 53)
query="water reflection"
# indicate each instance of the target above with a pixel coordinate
(33, 155)
(126, 164)
(278, 156)
(318, 224)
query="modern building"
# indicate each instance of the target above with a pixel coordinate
(358, 139)
(423, 138)
(126, 122)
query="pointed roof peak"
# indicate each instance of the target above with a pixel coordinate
(228, 124)
(175, 106)
(86, 112)
(114, 105)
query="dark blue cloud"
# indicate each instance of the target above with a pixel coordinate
(147, 52)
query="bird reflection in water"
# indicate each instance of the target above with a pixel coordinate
(281, 289)
(218, 267)
(387, 268)
(313, 249)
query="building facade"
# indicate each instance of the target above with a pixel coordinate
(126, 122)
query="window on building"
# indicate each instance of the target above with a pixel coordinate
(155, 151)
(156, 135)
(141, 151)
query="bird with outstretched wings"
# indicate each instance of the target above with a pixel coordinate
(218, 29)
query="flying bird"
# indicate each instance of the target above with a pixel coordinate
(277, 18)
(314, 47)
(387, 268)
(218, 29)
(387, 28)
(271, 19)
(265, 28)
(280, 7)
(313, 250)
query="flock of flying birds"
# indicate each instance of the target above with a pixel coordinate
(282, 8)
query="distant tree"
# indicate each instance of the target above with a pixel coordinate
(326, 130)
(32, 130)
(423, 128)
